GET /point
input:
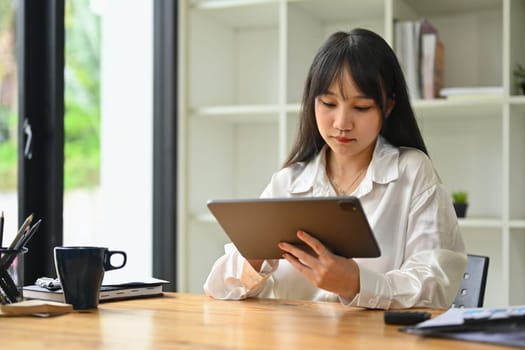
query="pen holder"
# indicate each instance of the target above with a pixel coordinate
(11, 275)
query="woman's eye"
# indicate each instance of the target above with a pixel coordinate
(328, 104)
(362, 108)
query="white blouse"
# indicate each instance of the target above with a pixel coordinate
(411, 214)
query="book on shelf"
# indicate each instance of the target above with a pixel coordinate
(432, 61)
(110, 291)
(421, 54)
(407, 48)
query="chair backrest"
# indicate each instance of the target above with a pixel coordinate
(471, 293)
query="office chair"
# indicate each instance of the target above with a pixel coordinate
(471, 293)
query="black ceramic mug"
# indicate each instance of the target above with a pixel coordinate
(81, 271)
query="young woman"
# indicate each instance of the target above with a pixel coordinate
(358, 136)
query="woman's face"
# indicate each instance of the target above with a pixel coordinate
(348, 121)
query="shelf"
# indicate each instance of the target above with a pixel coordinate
(480, 223)
(214, 4)
(472, 107)
(205, 218)
(517, 224)
(293, 108)
(423, 108)
(435, 108)
(458, 102)
(517, 103)
(341, 10)
(239, 113)
(240, 13)
(427, 108)
(246, 64)
(517, 100)
(468, 222)
(432, 7)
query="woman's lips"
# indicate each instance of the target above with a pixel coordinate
(343, 139)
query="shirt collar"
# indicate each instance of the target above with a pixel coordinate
(382, 169)
(312, 170)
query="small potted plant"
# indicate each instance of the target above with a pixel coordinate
(519, 77)
(460, 200)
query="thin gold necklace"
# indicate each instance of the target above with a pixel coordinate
(343, 191)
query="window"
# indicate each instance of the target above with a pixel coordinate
(8, 118)
(81, 121)
(96, 121)
(108, 128)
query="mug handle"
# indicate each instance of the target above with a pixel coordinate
(107, 260)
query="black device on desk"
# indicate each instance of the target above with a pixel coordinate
(405, 318)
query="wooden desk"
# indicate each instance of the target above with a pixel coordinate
(196, 321)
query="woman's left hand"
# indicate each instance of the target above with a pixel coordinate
(326, 270)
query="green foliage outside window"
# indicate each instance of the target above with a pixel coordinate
(8, 93)
(82, 96)
(82, 99)
(8, 162)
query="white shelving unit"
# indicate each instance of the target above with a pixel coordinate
(243, 66)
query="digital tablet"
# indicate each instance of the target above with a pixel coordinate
(256, 226)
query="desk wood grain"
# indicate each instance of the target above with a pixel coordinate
(180, 321)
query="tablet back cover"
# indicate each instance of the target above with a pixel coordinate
(256, 226)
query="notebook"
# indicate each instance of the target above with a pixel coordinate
(108, 292)
(256, 226)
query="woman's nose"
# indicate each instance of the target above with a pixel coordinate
(343, 120)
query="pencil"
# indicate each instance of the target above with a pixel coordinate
(28, 235)
(1, 229)
(21, 231)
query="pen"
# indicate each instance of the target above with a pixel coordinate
(1, 228)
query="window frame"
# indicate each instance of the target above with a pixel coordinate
(41, 33)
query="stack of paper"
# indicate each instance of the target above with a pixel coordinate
(505, 326)
(472, 92)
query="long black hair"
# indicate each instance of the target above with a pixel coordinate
(376, 72)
